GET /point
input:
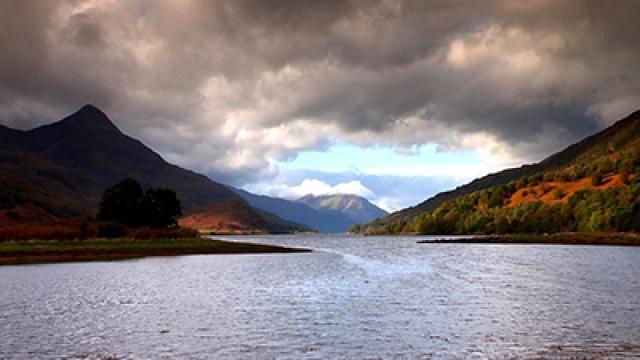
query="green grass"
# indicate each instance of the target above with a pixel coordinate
(29, 252)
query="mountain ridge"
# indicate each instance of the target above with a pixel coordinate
(356, 207)
(604, 155)
(61, 168)
(558, 159)
(298, 212)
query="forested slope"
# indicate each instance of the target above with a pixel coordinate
(592, 185)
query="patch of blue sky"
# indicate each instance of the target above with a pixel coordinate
(347, 157)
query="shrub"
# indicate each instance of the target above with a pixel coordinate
(59, 230)
(522, 182)
(155, 233)
(566, 177)
(112, 230)
(596, 180)
(625, 173)
(558, 194)
(545, 188)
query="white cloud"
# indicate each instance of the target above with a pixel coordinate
(459, 172)
(387, 204)
(317, 187)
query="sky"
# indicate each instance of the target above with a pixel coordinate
(393, 100)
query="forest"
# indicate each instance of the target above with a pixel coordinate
(599, 193)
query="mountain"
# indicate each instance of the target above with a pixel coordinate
(60, 170)
(33, 188)
(323, 221)
(356, 208)
(88, 143)
(236, 217)
(597, 173)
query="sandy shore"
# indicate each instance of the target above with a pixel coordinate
(33, 252)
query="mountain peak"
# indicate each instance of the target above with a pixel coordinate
(89, 116)
(90, 108)
(358, 208)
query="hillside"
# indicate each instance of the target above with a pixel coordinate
(589, 186)
(235, 217)
(356, 208)
(88, 143)
(60, 170)
(559, 160)
(33, 188)
(297, 212)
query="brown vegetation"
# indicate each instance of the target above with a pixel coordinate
(548, 193)
(87, 229)
(229, 217)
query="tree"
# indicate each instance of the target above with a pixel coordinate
(125, 203)
(122, 203)
(625, 173)
(497, 197)
(161, 207)
(522, 182)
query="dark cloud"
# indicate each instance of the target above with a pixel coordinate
(85, 31)
(228, 87)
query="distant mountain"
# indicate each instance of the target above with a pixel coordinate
(356, 208)
(323, 221)
(60, 170)
(593, 185)
(236, 217)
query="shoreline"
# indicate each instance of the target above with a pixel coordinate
(41, 252)
(601, 239)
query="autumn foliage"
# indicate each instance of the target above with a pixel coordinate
(88, 229)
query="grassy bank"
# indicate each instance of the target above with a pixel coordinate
(616, 239)
(32, 252)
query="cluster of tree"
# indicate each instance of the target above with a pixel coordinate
(595, 169)
(126, 203)
(615, 209)
(592, 209)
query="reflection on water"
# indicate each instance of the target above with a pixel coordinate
(355, 297)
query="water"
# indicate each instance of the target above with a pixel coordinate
(374, 297)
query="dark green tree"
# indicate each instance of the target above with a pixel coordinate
(497, 197)
(126, 203)
(161, 208)
(122, 203)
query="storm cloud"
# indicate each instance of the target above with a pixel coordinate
(231, 87)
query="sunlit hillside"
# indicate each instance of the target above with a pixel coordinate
(591, 186)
